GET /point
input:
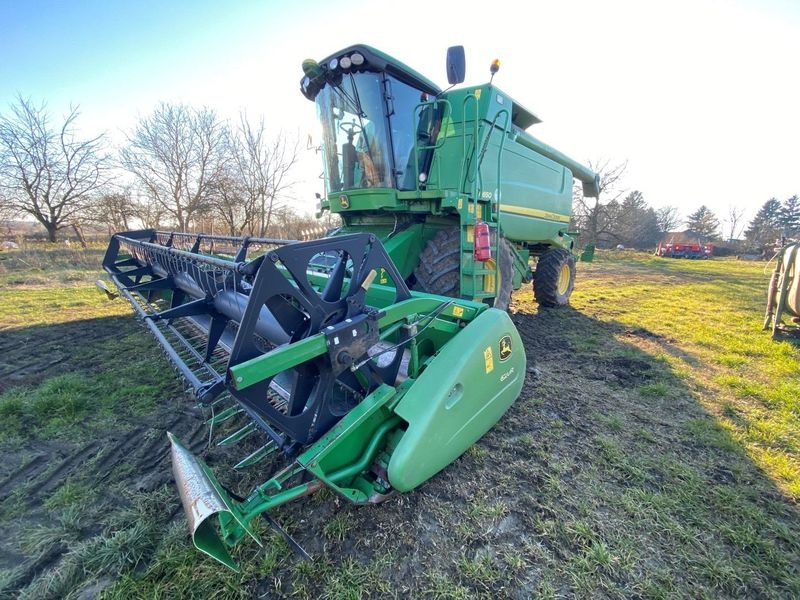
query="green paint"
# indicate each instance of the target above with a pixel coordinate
(451, 160)
(278, 360)
(457, 399)
(346, 451)
(470, 159)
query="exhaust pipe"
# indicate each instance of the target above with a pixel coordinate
(212, 516)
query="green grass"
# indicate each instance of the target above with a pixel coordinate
(337, 527)
(654, 453)
(45, 265)
(704, 318)
(70, 493)
(81, 360)
(70, 405)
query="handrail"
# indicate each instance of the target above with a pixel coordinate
(439, 141)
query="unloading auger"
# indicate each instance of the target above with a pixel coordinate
(364, 386)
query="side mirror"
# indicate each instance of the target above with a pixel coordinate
(456, 65)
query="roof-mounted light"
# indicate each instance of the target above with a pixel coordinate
(345, 62)
(334, 62)
(357, 59)
(494, 68)
(311, 68)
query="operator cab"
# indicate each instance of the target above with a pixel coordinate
(370, 108)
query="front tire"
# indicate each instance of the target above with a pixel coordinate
(439, 264)
(438, 268)
(554, 278)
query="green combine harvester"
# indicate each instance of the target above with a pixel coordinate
(369, 360)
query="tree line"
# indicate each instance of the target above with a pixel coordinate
(181, 167)
(775, 221)
(185, 168)
(621, 217)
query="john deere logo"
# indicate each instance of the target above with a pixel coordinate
(345, 201)
(505, 347)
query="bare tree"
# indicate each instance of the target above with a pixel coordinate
(150, 214)
(288, 224)
(231, 203)
(6, 213)
(592, 214)
(734, 221)
(667, 217)
(262, 168)
(114, 209)
(175, 155)
(48, 172)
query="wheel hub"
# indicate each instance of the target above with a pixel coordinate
(563, 279)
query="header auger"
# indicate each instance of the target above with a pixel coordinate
(372, 359)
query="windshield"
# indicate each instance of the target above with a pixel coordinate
(367, 126)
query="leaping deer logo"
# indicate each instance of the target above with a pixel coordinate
(505, 347)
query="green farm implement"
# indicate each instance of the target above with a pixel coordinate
(369, 360)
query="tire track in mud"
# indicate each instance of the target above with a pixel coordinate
(65, 469)
(140, 454)
(29, 355)
(36, 567)
(146, 451)
(113, 453)
(37, 474)
(130, 453)
(26, 472)
(145, 448)
(155, 452)
(16, 373)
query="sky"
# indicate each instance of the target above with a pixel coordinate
(700, 97)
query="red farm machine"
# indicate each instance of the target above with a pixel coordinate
(685, 250)
(369, 360)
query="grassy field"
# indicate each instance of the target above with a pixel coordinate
(654, 453)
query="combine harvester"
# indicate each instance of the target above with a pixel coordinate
(357, 382)
(783, 292)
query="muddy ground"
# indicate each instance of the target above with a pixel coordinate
(585, 488)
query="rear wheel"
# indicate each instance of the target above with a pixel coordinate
(438, 269)
(554, 278)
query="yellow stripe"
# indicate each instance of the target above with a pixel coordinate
(533, 212)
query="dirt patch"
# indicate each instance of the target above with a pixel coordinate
(585, 488)
(29, 355)
(126, 453)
